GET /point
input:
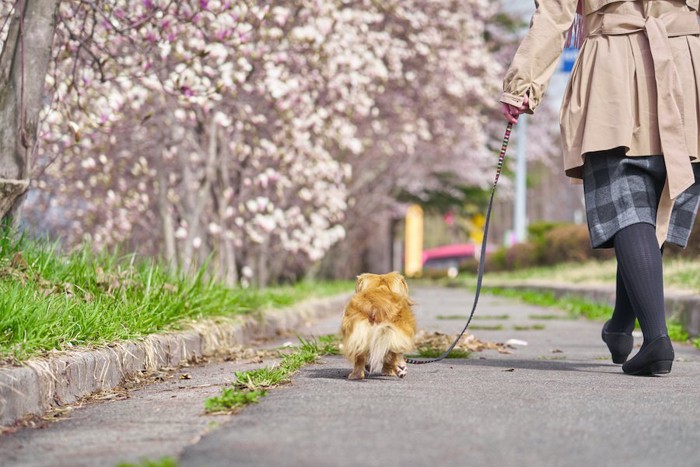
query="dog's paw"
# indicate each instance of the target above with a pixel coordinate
(401, 370)
(356, 375)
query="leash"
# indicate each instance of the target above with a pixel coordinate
(482, 257)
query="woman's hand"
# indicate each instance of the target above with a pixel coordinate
(511, 113)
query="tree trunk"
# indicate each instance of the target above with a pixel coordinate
(227, 249)
(165, 208)
(22, 87)
(196, 199)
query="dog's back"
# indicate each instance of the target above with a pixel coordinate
(378, 320)
(377, 305)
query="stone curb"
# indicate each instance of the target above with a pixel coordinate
(44, 383)
(682, 307)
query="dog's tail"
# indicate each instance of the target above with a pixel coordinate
(375, 340)
(385, 337)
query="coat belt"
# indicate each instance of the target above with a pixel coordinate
(658, 30)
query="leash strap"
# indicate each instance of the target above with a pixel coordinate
(482, 257)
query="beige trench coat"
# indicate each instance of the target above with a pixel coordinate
(635, 84)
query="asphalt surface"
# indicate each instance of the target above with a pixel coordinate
(557, 401)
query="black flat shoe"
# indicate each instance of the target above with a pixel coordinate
(654, 358)
(619, 343)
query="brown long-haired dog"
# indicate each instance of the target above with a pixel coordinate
(378, 325)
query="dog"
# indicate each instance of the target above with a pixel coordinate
(378, 325)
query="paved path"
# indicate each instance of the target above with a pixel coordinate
(558, 401)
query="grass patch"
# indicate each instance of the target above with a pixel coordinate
(533, 327)
(251, 385)
(475, 317)
(329, 345)
(163, 462)
(494, 317)
(590, 272)
(486, 327)
(231, 399)
(547, 317)
(51, 301)
(676, 331)
(679, 274)
(575, 307)
(432, 352)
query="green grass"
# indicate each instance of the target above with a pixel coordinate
(679, 274)
(579, 307)
(251, 385)
(52, 301)
(593, 272)
(533, 327)
(494, 317)
(163, 462)
(486, 327)
(572, 305)
(231, 399)
(676, 331)
(452, 317)
(431, 352)
(576, 307)
(477, 317)
(548, 317)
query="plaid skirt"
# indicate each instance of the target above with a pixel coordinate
(621, 191)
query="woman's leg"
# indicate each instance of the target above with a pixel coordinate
(623, 316)
(639, 259)
(641, 270)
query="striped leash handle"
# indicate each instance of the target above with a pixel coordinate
(482, 256)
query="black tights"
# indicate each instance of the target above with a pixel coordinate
(640, 287)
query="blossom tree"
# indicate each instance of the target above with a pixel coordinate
(255, 135)
(429, 124)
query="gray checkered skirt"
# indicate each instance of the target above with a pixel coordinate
(621, 191)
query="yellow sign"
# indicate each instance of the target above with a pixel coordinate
(413, 254)
(476, 234)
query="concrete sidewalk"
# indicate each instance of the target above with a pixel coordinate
(557, 401)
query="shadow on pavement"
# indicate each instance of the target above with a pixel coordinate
(542, 365)
(327, 373)
(341, 373)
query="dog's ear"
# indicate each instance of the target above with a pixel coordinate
(404, 285)
(397, 283)
(360, 283)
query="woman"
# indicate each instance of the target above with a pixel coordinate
(629, 125)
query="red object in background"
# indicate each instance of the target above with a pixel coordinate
(457, 251)
(449, 218)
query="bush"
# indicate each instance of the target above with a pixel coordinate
(569, 243)
(496, 261)
(550, 244)
(522, 255)
(470, 265)
(537, 235)
(538, 230)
